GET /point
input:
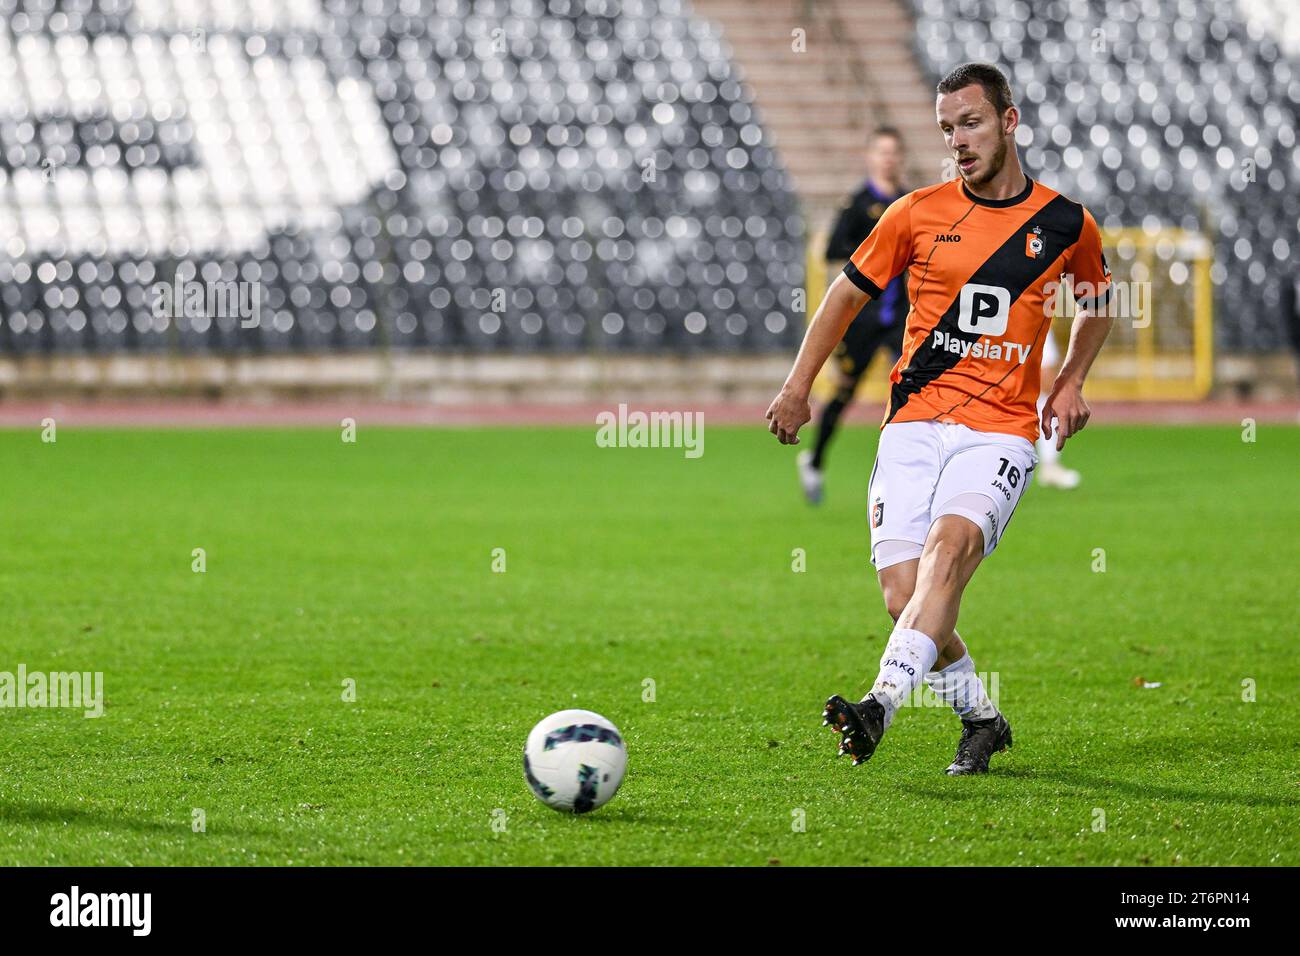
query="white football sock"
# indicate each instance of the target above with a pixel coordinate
(959, 685)
(1047, 453)
(908, 656)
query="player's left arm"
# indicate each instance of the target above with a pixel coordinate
(1090, 278)
(1066, 402)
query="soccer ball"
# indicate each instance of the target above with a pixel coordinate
(574, 761)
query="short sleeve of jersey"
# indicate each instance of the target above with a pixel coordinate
(1087, 267)
(885, 253)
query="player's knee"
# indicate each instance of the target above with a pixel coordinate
(896, 598)
(897, 592)
(955, 542)
(897, 561)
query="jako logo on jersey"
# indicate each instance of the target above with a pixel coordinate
(877, 513)
(983, 309)
(1034, 244)
(947, 237)
(1016, 352)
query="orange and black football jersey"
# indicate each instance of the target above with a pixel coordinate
(982, 276)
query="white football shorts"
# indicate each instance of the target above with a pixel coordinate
(925, 470)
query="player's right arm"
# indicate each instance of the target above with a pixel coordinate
(789, 411)
(884, 254)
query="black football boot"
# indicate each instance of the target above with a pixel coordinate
(980, 740)
(861, 725)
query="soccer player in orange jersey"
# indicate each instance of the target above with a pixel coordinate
(985, 254)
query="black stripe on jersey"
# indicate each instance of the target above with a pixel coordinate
(1062, 222)
(861, 281)
(1096, 303)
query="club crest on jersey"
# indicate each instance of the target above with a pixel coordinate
(1034, 244)
(878, 513)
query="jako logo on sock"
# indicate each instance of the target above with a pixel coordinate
(894, 662)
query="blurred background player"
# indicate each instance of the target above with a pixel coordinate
(1290, 307)
(1051, 473)
(881, 321)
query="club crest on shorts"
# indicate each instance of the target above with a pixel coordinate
(1034, 244)
(877, 513)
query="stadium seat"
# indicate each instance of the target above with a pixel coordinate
(1153, 114)
(475, 175)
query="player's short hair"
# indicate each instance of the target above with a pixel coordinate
(890, 131)
(985, 75)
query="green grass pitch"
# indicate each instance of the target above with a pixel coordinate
(372, 562)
